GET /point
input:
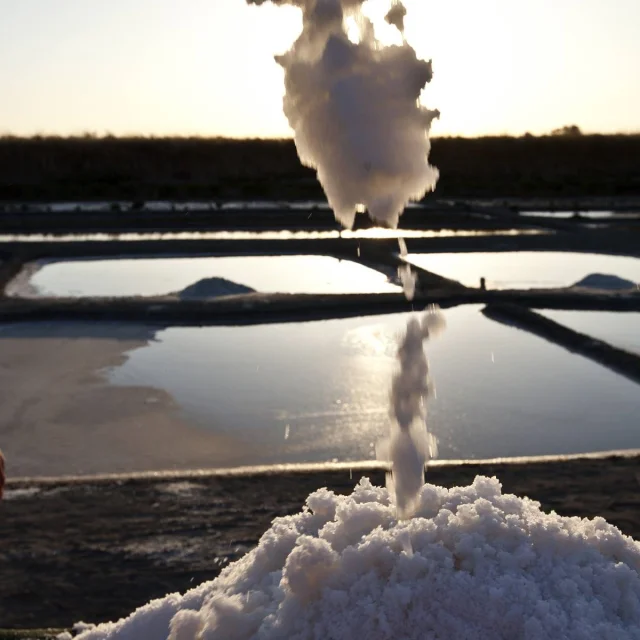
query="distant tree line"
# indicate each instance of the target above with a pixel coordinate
(565, 163)
(569, 130)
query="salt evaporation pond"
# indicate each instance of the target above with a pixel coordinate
(318, 391)
(622, 330)
(526, 269)
(319, 274)
(159, 276)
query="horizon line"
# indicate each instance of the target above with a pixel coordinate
(90, 135)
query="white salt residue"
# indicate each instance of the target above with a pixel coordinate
(473, 564)
(19, 494)
(409, 445)
(180, 489)
(168, 550)
(20, 285)
(78, 627)
(354, 110)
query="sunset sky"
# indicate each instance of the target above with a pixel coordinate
(205, 67)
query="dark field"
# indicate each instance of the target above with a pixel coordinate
(88, 168)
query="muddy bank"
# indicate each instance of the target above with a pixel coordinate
(23, 249)
(200, 217)
(259, 308)
(95, 550)
(60, 414)
(438, 216)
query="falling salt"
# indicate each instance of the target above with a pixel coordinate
(409, 445)
(355, 112)
(408, 279)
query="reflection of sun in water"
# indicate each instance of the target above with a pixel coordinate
(355, 414)
(371, 340)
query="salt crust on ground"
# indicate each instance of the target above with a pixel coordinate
(472, 564)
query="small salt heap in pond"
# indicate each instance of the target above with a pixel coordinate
(473, 563)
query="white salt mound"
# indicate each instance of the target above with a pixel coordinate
(212, 288)
(472, 564)
(606, 282)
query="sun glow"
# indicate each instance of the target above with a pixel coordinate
(206, 67)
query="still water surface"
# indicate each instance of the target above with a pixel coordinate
(526, 269)
(622, 330)
(318, 391)
(158, 276)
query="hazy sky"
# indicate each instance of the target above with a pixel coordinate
(206, 66)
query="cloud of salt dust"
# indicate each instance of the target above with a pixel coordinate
(409, 445)
(354, 110)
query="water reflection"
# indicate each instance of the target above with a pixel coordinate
(622, 330)
(159, 276)
(500, 392)
(109, 397)
(526, 269)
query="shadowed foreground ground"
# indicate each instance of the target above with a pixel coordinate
(96, 550)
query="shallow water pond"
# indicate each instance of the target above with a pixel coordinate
(83, 398)
(158, 276)
(526, 269)
(621, 330)
(319, 391)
